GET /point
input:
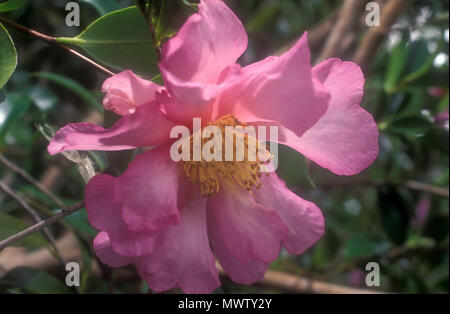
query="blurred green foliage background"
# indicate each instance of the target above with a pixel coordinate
(395, 213)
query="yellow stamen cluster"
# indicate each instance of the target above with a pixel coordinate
(245, 173)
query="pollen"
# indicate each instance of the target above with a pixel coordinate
(238, 157)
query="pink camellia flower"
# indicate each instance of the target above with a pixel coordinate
(172, 219)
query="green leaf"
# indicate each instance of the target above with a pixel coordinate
(12, 5)
(361, 245)
(397, 62)
(10, 225)
(102, 6)
(421, 61)
(12, 109)
(72, 86)
(32, 281)
(8, 56)
(120, 39)
(410, 125)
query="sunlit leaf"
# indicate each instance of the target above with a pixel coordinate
(8, 56)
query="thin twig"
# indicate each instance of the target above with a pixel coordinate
(32, 180)
(41, 225)
(52, 41)
(375, 35)
(33, 213)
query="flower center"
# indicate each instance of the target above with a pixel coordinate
(235, 155)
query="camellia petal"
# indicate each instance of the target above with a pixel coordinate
(126, 91)
(345, 139)
(146, 127)
(148, 191)
(281, 89)
(197, 98)
(207, 44)
(184, 258)
(104, 214)
(303, 219)
(240, 272)
(249, 230)
(194, 61)
(103, 249)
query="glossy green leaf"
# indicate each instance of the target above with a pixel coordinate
(10, 225)
(12, 109)
(8, 56)
(72, 86)
(121, 40)
(12, 5)
(102, 6)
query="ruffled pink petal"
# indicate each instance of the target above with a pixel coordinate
(104, 214)
(102, 247)
(148, 191)
(249, 230)
(194, 99)
(194, 61)
(281, 89)
(303, 219)
(243, 273)
(184, 258)
(125, 91)
(207, 44)
(146, 127)
(345, 139)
